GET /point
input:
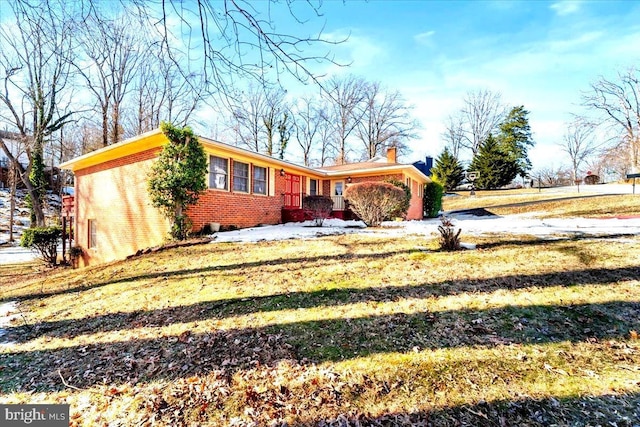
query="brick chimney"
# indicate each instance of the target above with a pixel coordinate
(391, 155)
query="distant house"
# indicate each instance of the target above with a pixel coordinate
(113, 216)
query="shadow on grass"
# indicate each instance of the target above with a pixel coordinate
(621, 410)
(537, 241)
(148, 359)
(296, 262)
(535, 202)
(220, 309)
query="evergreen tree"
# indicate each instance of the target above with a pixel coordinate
(515, 138)
(178, 177)
(496, 167)
(448, 170)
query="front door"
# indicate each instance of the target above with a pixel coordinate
(292, 191)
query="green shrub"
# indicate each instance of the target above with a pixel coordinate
(373, 201)
(320, 207)
(432, 199)
(44, 240)
(403, 207)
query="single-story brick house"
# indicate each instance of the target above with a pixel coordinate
(113, 216)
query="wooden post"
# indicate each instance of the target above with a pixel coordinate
(64, 238)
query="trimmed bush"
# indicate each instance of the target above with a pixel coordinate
(432, 199)
(320, 208)
(402, 209)
(373, 201)
(44, 240)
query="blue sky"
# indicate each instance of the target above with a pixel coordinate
(534, 53)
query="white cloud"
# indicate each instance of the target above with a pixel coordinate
(425, 39)
(566, 7)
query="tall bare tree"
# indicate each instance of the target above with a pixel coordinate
(618, 101)
(579, 143)
(454, 134)
(114, 49)
(162, 93)
(306, 124)
(385, 121)
(35, 57)
(482, 113)
(272, 115)
(344, 97)
(256, 117)
(326, 135)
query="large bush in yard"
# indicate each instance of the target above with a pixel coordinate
(44, 240)
(373, 201)
(320, 207)
(178, 177)
(432, 199)
(401, 210)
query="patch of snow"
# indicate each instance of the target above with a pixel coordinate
(470, 225)
(14, 254)
(8, 312)
(291, 230)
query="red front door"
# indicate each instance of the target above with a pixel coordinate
(292, 191)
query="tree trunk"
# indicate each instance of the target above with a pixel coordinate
(12, 198)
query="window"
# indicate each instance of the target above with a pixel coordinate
(313, 187)
(240, 177)
(338, 188)
(259, 180)
(218, 173)
(92, 233)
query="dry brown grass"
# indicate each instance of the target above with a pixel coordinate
(547, 205)
(339, 330)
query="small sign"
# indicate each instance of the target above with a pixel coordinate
(36, 415)
(633, 175)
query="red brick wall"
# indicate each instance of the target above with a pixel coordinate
(415, 208)
(238, 209)
(114, 194)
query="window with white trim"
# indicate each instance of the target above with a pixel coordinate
(218, 173)
(313, 187)
(241, 177)
(259, 180)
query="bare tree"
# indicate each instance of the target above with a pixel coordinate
(247, 117)
(326, 135)
(619, 103)
(35, 63)
(579, 143)
(385, 121)
(306, 124)
(344, 97)
(162, 93)
(238, 39)
(454, 134)
(113, 48)
(482, 113)
(552, 176)
(272, 115)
